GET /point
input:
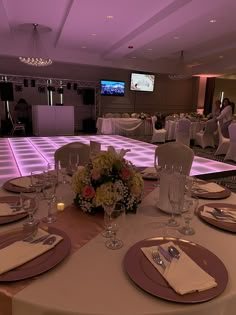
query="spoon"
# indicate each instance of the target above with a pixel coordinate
(174, 252)
(223, 213)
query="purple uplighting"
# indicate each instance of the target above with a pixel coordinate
(20, 156)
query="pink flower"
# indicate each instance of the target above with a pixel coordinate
(125, 174)
(88, 192)
(95, 174)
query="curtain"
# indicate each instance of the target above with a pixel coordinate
(210, 87)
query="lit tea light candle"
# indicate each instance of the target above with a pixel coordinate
(60, 206)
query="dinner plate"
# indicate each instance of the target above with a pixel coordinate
(11, 218)
(145, 275)
(213, 195)
(13, 188)
(228, 226)
(40, 264)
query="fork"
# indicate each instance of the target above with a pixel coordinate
(156, 257)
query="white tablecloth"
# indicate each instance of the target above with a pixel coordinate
(93, 280)
(171, 126)
(124, 126)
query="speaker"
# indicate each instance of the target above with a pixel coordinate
(88, 96)
(6, 91)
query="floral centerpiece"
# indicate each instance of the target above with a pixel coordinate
(107, 179)
(142, 116)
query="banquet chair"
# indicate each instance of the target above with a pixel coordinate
(231, 153)
(134, 115)
(63, 153)
(108, 115)
(223, 145)
(116, 115)
(183, 131)
(158, 135)
(16, 125)
(206, 138)
(125, 115)
(176, 154)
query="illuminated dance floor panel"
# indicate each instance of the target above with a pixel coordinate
(20, 156)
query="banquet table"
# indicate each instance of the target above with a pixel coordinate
(92, 279)
(171, 126)
(124, 126)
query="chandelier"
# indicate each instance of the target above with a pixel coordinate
(34, 59)
(182, 72)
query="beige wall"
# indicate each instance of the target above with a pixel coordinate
(168, 96)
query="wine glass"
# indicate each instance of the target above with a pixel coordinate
(107, 224)
(37, 182)
(50, 195)
(73, 161)
(174, 196)
(29, 203)
(63, 171)
(116, 217)
(189, 208)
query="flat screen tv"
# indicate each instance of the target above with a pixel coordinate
(142, 82)
(112, 88)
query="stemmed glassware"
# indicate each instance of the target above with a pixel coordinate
(50, 196)
(63, 170)
(29, 203)
(189, 208)
(73, 161)
(175, 194)
(37, 182)
(116, 216)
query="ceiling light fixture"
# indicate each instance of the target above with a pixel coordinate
(182, 72)
(34, 59)
(213, 21)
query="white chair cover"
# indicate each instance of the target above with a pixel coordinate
(223, 145)
(158, 135)
(231, 153)
(63, 153)
(108, 115)
(125, 115)
(183, 131)
(116, 115)
(174, 153)
(206, 138)
(134, 115)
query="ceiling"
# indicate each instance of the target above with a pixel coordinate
(128, 34)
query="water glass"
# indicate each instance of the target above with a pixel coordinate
(73, 161)
(50, 195)
(29, 203)
(189, 208)
(117, 218)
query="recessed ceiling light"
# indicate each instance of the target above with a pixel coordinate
(133, 57)
(83, 47)
(221, 56)
(110, 17)
(212, 21)
(149, 49)
(176, 37)
(93, 34)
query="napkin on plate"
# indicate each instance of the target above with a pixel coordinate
(6, 210)
(149, 172)
(183, 274)
(206, 210)
(24, 182)
(20, 252)
(209, 188)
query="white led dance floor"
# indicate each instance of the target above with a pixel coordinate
(20, 156)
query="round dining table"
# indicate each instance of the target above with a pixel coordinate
(92, 279)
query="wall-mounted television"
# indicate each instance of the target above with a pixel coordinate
(112, 88)
(142, 82)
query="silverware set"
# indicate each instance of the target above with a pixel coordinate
(169, 254)
(45, 239)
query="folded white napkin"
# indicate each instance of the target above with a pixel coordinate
(209, 187)
(6, 210)
(149, 170)
(183, 274)
(20, 252)
(205, 213)
(24, 182)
